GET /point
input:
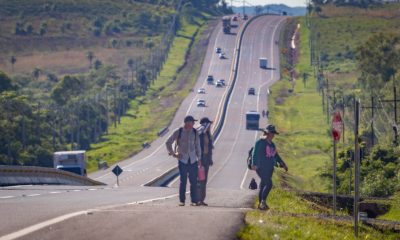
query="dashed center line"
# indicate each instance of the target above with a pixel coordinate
(5, 197)
(54, 192)
(33, 195)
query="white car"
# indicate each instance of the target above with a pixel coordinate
(201, 91)
(201, 103)
(221, 56)
(222, 81)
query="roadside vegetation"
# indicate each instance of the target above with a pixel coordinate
(71, 72)
(301, 105)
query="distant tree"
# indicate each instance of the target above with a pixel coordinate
(68, 88)
(378, 60)
(52, 77)
(5, 82)
(114, 42)
(90, 57)
(97, 64)
(43, 28)
(305, 77)
(29, 29)
(258, 10)
(13, 60)
(36, 73)
(131, 63)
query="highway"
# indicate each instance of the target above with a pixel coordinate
(26, 206)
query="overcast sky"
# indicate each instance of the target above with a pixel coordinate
(290, 3)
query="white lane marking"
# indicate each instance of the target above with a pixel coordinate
(54, 192)
(92, 189)
(33, 195)
(5, 197)
(33, 228)
(76, 190)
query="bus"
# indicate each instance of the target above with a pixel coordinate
(71, 161)
(252, 120)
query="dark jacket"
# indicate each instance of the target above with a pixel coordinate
(265, 155)
(206, 159)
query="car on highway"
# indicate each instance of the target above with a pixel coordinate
(201, 103)
(219, 85)
(210, 79)
(234, 18)
(251, 91)
(222, 81)
(221, 55)
(201, 91)
(245, 17)
(218, 50)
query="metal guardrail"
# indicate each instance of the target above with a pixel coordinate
(30, 175)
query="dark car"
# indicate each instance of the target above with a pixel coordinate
(252, 91)
(218, 50)
(210, 79)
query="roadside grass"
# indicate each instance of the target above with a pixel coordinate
(156, 109)
(394, 211)
(304, 142)
(291, 217)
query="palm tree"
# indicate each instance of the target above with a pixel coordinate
(13, 60)
(36, 73)
(131, 65)
(90, 57)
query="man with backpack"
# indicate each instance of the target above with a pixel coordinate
(264, 158)
(187, 151)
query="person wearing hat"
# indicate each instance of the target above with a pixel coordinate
(206, 145)
(187, 151)
(265, 157)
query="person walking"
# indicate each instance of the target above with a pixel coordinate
(265, 157)
(206, 145)
(187, 151)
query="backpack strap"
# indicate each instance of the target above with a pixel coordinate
(180, 134)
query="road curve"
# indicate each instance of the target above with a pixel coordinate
(32, 204)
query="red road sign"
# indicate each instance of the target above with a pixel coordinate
(337, 126)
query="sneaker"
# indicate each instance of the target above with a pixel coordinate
(263, 206)
(181, 204)
(194, 204)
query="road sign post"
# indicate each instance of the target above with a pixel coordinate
(337, 127)
(117, 171)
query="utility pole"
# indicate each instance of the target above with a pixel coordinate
(394, 100)
(356, 166)
(244, 11)
(344, 106)
(372, 107)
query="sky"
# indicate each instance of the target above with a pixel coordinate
(290, 3)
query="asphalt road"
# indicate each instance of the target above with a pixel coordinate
(119, 212)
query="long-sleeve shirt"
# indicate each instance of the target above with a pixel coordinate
(188, 145)
(265, 155)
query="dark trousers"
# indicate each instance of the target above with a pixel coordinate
(186, 170)
(202, 185)
(265, 175)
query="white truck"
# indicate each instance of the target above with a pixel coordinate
(263, 63)
(71, 161)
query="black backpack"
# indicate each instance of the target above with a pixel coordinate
(253, 184)
(250, 158)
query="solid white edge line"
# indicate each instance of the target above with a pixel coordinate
(5, 197)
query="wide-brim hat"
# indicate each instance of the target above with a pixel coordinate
(271, 129)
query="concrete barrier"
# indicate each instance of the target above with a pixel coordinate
(30, 175)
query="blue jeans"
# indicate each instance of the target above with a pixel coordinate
(184, 171)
